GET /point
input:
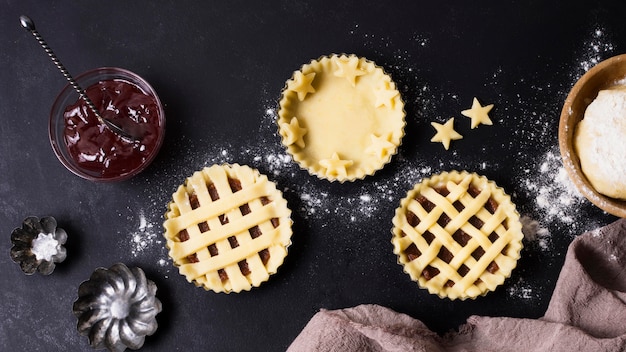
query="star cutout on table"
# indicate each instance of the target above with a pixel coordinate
(380, 147)
(478, 114)
(335, 166)
(293, 133)
(348, 68)
(384, 96)
(445, 133)
(302, 84)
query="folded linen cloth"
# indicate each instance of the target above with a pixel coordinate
(587, 312)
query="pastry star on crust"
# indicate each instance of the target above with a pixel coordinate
(302, 84)
(478, 113)
(380, 146)
(335, 166)
(348, 68)
(293, 133)
(445, 133)
(384, 96)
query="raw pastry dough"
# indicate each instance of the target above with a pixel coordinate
(445, 133)
(341, 117)
(478, 114)
(228, 228)
(600, 142)
(457, 234)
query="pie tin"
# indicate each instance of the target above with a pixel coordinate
(516, 226)
(286, 245)
(24, 237)
(312, 169)
(116, 308)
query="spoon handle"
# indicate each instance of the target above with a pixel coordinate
(29, 25)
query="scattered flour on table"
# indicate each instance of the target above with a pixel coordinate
(145, 239)
(523, 290)
(556, 203)
(366, 204)
(379, 43)
(317, 203)
(595, 49)
(554, 194)
(554, 199)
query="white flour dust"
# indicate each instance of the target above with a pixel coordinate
(143, 238)
(555, 202)
(316, 203)
(146, 239)
(595, 49)
(523, 290)
(379, 42)
(553, 193)
(369, 202)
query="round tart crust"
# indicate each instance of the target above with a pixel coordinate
(462, 244)
(227, 228)
(341, 117)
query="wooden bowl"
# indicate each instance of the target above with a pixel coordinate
(605, 74)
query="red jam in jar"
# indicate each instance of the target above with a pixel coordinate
(98, 150)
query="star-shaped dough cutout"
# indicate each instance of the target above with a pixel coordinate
(302, 84)
(445, 133)
(478, 113)
(384, 96)
(380, 147)
(293, 133)
(348, 68)
(335, 166)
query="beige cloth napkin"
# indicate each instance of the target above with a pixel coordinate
(587, 312)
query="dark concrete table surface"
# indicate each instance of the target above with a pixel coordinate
(219, 68)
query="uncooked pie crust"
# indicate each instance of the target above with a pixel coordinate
(462, 244)
(227, 228)
(341, 117)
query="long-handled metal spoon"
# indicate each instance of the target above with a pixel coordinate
(29, 25)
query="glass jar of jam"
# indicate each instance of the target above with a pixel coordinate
(90, 149)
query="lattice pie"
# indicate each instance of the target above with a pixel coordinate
(228, 228)
(457, 234)
(341, 117)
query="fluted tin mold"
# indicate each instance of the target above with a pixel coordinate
(116, 308)
(38, 245)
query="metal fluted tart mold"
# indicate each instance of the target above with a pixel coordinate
(457, 234)
(341, 117)
(116, 308)
(38, 245)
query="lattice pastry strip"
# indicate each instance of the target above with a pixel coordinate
(227, 228)
(457, 234)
